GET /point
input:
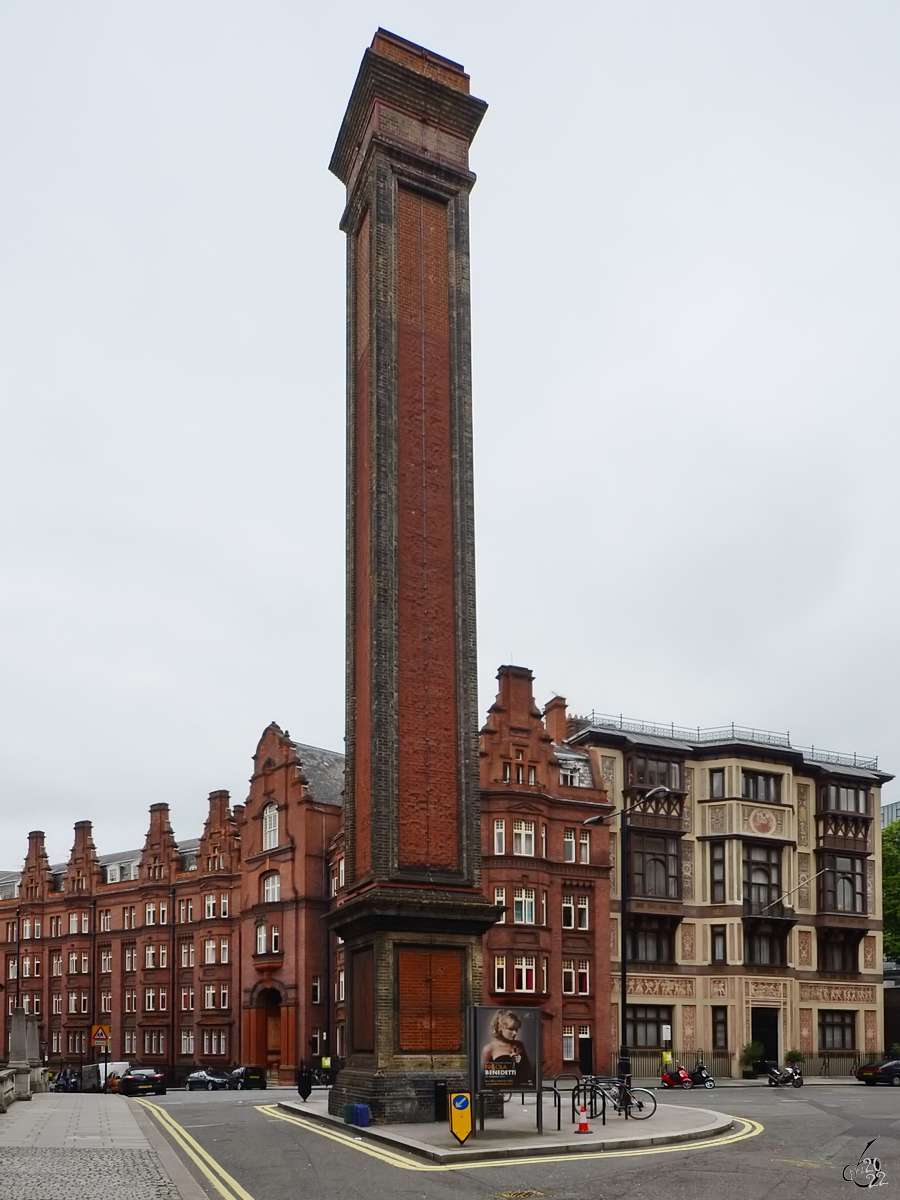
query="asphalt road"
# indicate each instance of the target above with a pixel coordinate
(808, 1140)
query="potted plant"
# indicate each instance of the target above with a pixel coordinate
(794, 1057)
(750, 1054)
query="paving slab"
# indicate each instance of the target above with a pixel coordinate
(77, 1146)
(515, 1134)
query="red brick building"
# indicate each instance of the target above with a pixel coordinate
(204, 951)
(550, 872)
(213, 950)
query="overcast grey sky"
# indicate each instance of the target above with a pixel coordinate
(685, 311)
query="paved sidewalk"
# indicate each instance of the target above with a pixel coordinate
(515, 1136)
(64, 1146)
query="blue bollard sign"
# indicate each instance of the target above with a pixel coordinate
(459, 1111)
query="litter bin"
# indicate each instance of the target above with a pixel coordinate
(440, 1099)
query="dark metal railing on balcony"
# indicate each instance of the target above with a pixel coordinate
(752, 908)
(718, 733)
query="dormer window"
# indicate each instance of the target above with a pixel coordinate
(270, 827)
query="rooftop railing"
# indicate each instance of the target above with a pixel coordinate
(719, 733)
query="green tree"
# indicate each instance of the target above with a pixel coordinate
(890, 889)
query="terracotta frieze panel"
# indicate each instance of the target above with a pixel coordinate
(687, 870)
(688, 1026)
(804, 948)
(838, 993)
(764, 989)
(806, 1042)
(869, 953)
(715, 815)
(687, 812)
(678, 985)
(687, 942)
(762, 822)
(803, 814)
(870, 1031)
(803, 880)
(718, 989)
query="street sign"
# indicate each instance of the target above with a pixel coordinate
(100, 1036)
(459, 1112)
(667, 1033)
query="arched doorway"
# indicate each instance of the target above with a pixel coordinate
(269, 1000)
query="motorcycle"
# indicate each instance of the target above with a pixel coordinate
(677, 1076)
(700, 1077)
(785, 1077)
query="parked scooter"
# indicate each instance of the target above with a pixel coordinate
(785, 1077)
(677, 1076)
(700, 1077)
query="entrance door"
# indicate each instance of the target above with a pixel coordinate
(764, 1028)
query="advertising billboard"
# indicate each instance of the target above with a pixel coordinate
(506, 1049)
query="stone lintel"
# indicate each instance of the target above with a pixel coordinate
(410, 910)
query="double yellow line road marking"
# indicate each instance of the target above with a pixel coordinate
(230, 1189)
(227, 1187)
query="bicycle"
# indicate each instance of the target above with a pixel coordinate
(637, 1103)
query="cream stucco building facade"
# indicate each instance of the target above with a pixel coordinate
(754, 910)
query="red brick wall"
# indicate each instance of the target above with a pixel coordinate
(428, 834)
(362, 647)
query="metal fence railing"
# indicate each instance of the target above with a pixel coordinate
(648, 1064)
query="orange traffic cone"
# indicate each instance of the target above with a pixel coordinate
(583, 1125)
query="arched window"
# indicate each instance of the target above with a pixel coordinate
(271, 887)
(270, 827)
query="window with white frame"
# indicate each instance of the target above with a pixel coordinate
(150, 956)
(150, 913)
(223, 904)
(129, 917)
(270, 827)
(106, 1002)
(187, 954)
(131, 957)
(163, 912)
(271, 887)
(583, 912)
(149, 999)
(315, 1041)
(568, 845)
(317, 989)
(131, 1000)
(499, 836)
(543, 841)
(85, 922)
(209, 906)
(26, 928)
(223, 950)
(84, 1002)
(154, 1041)
(568, 911)
(584, 977)
(129, 1045)
(56, 1003)
(340, 995)
(545, 975)
(543, 908)
(274, 939)
(105, 920)
(26, 967)
(523, 838)
(261, 939)
(523, 973)
(209, 996)
(568, 976)
(105, 960)
(223, 995)
(163, 999)
(73, 962)
(187, 999)
(163, 954)
(209, 950)
(523, 906)
(56, 964)
(187, 1041)
(214, 1041)
(499, 972)
(73, 922)
(584, 846)
(37, 928)
(85, 962)
(73, 1002)
(500, 898)
(56, 1042)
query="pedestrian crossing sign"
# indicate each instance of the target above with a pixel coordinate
(100, 1038)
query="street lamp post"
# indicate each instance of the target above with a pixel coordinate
(624, 1065)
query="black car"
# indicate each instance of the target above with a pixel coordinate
(885, 1071)
(208, 1078)
(136, 1081)
(247, 1077)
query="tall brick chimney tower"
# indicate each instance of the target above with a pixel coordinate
(413, 913)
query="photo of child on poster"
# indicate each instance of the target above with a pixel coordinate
(508, 1047)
